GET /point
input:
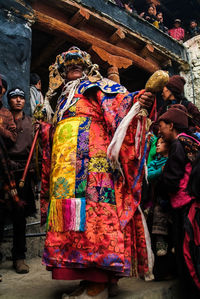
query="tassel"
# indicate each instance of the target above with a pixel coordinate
(55, 221)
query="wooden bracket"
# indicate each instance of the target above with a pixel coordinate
(117, 36)
(79, 17)
(112, 60)
(147, 50)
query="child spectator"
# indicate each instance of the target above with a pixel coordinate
(159, 22)
(149, 15)
(194, 29)
(177, 32)
(160, 217)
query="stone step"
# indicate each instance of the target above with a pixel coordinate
(38, 284)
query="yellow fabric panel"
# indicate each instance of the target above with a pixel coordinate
(64, 156)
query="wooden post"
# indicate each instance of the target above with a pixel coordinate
(113, 74)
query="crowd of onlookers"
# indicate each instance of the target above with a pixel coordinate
(155, 17)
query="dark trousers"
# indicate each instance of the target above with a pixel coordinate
(17, 216)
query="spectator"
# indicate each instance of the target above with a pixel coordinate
(159, 22)
(129, 6)
(149, 15)
(7, 134)
(194, 29)
(126, 4)
(7, 125)
(184, 148)
(36, 96)
(173, 93)
(119, 3)
(177, 32)
(160, 217)
(18, 155)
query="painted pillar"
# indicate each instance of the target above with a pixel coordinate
(113, 74)
(15, 45)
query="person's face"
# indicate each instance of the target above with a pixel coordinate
(166, 93)
(193, 25)
(38, 85)
(74, 72)
(160, 17)
(177, 24)
(166, 131)
(17, 103)
(161, 147)
(150, 10)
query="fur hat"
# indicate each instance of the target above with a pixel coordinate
(176, 85)
(176, 114)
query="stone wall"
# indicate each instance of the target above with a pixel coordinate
(15, 45)
(192, 75)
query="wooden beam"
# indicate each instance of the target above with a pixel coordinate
(112, 60)
(79, 17)
(47, 52)
(117, 36)
(57, 27)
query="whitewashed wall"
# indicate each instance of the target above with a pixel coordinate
(192, 76)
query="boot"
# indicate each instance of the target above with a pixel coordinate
(93, 291)
(20, 267)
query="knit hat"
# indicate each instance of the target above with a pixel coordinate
(176, 114)
(176, 85)
(15, 92)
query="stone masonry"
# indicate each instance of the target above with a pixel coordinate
(192, 75)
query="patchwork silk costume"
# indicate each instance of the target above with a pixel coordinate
(93, 220)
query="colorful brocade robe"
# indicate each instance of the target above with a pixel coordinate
(93, 218)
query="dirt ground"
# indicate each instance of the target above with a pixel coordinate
(37, 284)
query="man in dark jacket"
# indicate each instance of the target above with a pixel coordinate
(18, 154)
